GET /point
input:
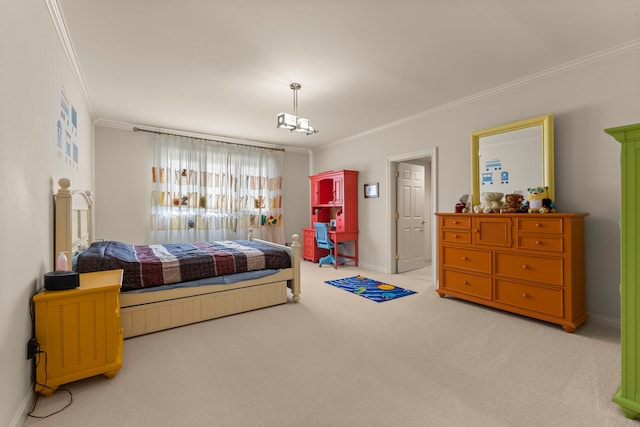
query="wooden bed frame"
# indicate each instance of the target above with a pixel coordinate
(143, 313)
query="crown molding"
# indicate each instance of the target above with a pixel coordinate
(65, 40)
(569, 66)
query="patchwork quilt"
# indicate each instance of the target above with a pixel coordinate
(146, 266)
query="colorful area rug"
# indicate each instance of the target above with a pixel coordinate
(369, 288)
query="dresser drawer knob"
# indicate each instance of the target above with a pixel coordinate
(464, 258)
(455, 236)
(525, 295)
(464, 282)
(455, 222)
(538, 242)
(525, 266)
(538, 225)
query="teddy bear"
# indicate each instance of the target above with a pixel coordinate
(539, 201)
(512, 203)
(490, 202)
(463, 205)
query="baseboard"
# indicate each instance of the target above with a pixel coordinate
(371, 267)
(21, 413)
(610, 322)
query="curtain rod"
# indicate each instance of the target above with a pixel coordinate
(137, 129)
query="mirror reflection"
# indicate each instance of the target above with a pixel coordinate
(513, 157)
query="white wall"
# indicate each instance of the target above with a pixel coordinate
(123, 186)
(584, 100)
(34, 72)
(296, 193)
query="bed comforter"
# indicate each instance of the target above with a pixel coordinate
(147, 266)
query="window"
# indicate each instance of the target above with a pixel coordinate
(207, 190)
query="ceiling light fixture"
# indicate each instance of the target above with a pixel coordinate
(293, 122)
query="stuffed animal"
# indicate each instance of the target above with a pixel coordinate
(463, 205)
(512, 203)
(490, 202)
(539, 201)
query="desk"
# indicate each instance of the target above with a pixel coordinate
(344, 236)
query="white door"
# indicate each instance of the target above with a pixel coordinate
(411, 242)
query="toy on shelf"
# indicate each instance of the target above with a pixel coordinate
(490, 202)
(463, 205)
(512, 203)
(539, 201)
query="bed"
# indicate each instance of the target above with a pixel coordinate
(153, 309)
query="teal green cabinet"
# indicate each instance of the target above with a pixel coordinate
(628, 395)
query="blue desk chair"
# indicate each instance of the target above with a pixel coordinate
(323, 241)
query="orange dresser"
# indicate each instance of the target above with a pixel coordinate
(530, 264)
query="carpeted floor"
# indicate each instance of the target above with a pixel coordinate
(337, 360)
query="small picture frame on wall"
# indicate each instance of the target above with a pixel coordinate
(370, 190)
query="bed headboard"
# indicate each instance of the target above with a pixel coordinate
(73, 220)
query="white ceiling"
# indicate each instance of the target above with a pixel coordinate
(223, 67)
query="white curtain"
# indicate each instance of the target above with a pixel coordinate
(204, 191)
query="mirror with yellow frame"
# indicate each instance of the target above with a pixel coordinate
(513, 157)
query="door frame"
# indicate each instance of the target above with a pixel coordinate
(432, 154)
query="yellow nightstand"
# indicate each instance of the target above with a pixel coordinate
(79, 331)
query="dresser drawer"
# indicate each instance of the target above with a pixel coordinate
(530, 297)
(548, 243)
(537, 224)
(456, 236)
(529, 267)
(462, 222)
(309, 237)
(470, 284)
(470, 259)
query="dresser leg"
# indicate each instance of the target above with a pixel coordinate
(629, 413)
(111, 374)
(569, 329)
(629, 407)
(46, 391)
